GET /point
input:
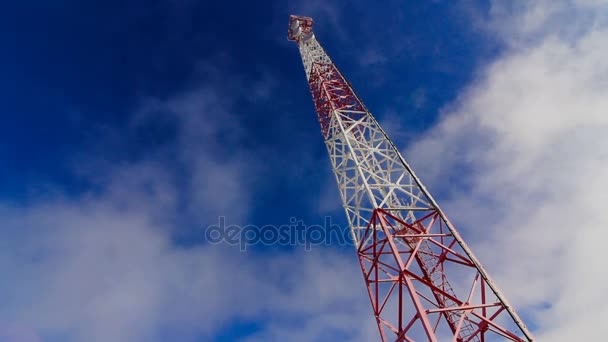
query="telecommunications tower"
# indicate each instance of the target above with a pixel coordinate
(424, 283)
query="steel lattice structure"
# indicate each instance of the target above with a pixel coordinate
(424, 283)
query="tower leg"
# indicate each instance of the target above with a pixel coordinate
(405, 268)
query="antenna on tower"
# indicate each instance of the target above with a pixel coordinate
(299, 28)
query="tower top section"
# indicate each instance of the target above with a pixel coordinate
(300, 28)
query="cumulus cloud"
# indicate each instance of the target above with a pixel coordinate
(521, 158)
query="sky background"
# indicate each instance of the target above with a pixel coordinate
(131, 126)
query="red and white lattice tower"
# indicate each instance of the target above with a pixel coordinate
(423, 281)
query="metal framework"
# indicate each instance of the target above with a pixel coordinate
(424, 283)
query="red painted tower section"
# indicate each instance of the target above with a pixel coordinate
(423, 281)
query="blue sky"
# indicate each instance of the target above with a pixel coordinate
(76, 69)
(131, 126)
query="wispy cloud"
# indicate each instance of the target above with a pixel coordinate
(371, 57)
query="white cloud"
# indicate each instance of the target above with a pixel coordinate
(96, 272)
(527, 144)
(103, 266)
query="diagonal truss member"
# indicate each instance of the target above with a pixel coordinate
(424, 283)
